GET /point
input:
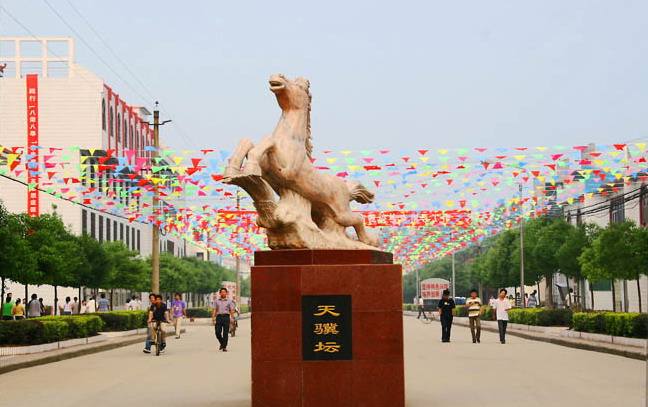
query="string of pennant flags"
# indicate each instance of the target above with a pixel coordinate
(429, 202)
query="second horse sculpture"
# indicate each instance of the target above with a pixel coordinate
(300, 207)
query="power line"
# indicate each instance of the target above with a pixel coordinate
(109, 48)
(82, 39)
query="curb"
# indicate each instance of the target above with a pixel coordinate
(557, 341)
(69, 355)
(74, 354)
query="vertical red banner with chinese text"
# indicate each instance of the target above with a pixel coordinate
(33, 207)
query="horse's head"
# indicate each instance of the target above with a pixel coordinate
(291, 95)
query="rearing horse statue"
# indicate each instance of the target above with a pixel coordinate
(313, 208)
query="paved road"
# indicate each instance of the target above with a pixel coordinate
(192, 374)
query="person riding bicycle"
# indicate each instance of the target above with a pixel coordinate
(157, 313)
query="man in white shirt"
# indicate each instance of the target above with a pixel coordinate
(421, 308)
(502, 305)
(91, 305)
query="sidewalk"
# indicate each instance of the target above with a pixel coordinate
(634, 348)
(84, 346)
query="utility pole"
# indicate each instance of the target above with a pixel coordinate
(522, 304)
(238, 258)
(155, 245)
(453, 276)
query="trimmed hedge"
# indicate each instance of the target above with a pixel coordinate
(123, 320)
(460, 311)
(541, 316)
(41, 330)
(628, 324)
(198, 313)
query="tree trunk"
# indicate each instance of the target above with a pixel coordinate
(112, 290)
(613, 297)
(26, 295)
(568, 302)
(549, 303)
(2, 280)
(78, 311)
(591, 293)
(639, 292)
(55, 299)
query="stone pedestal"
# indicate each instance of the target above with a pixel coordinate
(283, 283)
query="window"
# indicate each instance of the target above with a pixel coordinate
(579, 218)
(92, 224)
(118, 127)
(133, 238)
(101, 223)
(138, 241)
(112, 120)
(125, 134)
(617, 210)
(170, 247)
(103, 114)
(108, 230)
(84, 221)
(130, 138)
(128, 236)
(643, 205)
(121, 232)
(115, 230)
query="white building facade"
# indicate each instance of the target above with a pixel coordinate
(46, 99)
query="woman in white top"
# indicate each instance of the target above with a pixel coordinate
(502, 305)
(67, 307)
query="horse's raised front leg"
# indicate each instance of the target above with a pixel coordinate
(252, 165)
(357, 222)
(236, 160)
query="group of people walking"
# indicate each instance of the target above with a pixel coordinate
(500, 305)
(21, 308)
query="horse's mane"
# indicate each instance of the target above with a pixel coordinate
(309, 138)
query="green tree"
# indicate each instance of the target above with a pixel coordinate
(617, 252)
(16, 261)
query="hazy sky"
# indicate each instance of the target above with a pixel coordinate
(397, 74)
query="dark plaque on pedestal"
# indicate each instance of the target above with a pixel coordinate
(326, 327)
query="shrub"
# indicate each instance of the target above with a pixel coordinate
(487, 313)
(79, 326)
(541, 316)
(198, 313)
(54, 331)
(628, 324)
(21, 332)
(460, 311)
(122, 320)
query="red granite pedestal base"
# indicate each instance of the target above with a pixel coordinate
(374, 375)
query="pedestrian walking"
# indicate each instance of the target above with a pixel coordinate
(83, 309)
(103, 305)
(6, 309)
(502, 305)
(66, 309)
(421, 308)
(221, 315)
(34, 308)
(445, 307)
(18, 310)
(91, 305)
(474, 312)
(178, 311)
(42, 307)
(533, 300)
(75, 305)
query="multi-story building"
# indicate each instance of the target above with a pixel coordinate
(46, 99)
(619, 202)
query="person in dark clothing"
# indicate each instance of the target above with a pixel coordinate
(445, 307)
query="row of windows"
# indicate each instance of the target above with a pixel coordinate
(128, 136)
(102, 228)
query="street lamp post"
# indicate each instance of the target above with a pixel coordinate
(522, 304)
(453, 275)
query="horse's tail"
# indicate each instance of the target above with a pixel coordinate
(359, 193)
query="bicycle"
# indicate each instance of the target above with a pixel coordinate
(157, 337)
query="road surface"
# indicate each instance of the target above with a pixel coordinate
(194, 374)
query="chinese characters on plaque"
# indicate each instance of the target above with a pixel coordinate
(326, 327)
